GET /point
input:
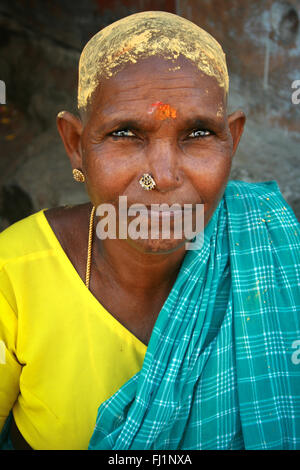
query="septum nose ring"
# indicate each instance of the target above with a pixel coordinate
(147, 182)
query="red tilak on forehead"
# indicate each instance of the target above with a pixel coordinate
(162, 111)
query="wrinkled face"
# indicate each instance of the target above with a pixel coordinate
(162, 118)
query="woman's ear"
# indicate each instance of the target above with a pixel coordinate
(236, 122)
(70, 129)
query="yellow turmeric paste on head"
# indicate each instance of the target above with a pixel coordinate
(143, 35)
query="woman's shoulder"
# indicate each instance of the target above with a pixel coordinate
(251, 189)
(23, 237)
(257, 198)
(40, 233)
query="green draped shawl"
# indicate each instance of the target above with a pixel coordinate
(222, 368)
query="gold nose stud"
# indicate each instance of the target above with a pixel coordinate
(147, 182)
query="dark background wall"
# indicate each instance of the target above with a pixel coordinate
(40, 44)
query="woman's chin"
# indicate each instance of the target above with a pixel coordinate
(157, 246)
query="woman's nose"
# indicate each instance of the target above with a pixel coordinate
(164, 165)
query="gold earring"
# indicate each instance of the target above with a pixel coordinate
(147, 182)
(78, 175)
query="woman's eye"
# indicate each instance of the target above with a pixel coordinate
(200, 133)
(122, 133)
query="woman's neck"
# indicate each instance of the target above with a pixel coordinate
(136, 270)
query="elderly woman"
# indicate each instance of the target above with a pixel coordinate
(125, 342)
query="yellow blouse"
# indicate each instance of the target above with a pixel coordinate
(61, 353)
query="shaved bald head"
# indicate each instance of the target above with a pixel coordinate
(142, 35)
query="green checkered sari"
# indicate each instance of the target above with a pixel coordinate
(222, 368)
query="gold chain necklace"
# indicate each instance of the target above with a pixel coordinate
(89, 250)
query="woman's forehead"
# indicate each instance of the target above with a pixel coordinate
(144, 35)
(152, 90)
(155, 80)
